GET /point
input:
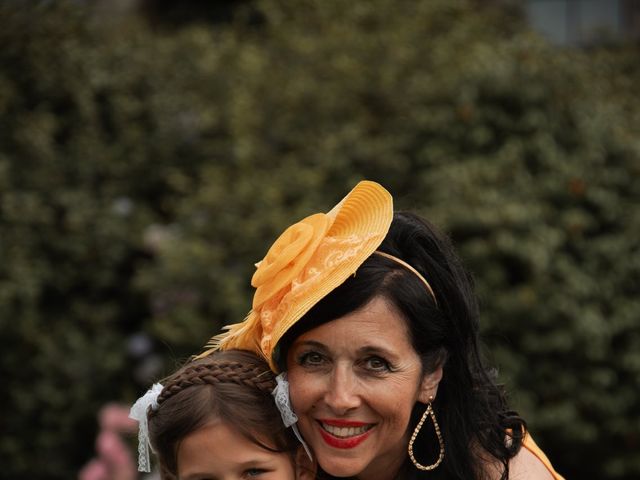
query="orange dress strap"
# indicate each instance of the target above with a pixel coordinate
(530, 445)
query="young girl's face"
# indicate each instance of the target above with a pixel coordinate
(219, 452)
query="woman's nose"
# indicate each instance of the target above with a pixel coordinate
(342, 394)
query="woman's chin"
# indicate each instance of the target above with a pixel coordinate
(346, 472)
(341, 467)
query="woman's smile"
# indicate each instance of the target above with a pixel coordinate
(344, 434)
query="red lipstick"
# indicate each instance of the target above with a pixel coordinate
(344, 442)
(336, 422)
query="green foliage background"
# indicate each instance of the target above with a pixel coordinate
(144, 168)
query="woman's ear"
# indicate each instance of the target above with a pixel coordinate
(429, 386)
(305, 467)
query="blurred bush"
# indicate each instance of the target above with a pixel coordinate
(143, 171)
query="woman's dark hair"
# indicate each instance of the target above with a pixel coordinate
(234, 387)
(472, 411)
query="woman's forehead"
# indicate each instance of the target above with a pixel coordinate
(374, 325)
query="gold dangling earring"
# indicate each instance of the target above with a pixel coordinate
(428, 413)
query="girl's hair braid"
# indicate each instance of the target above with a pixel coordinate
(253, 376)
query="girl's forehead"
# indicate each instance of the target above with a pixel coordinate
(218, 449)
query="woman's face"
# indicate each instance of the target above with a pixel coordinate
(218, 451)
(353, 384)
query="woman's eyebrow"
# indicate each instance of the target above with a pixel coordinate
(311, 343)
(365, 350)
(376, 349)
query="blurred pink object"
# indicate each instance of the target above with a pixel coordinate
(94, 470)
(113, 460)
(114, 416)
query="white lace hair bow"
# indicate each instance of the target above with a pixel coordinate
(283, 402)
(139, 412)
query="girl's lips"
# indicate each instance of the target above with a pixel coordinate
(344, 434)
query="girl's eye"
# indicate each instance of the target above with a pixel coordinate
(254, 472)
(311, 359)
(377, 364)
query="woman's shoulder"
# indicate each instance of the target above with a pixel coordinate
(530, 463)
(528, 466)
(533, 458)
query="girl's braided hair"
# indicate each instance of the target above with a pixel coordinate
(233, 387)
(212, 373)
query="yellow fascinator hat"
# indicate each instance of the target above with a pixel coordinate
(309, 260)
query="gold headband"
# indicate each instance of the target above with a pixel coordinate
(409, 267)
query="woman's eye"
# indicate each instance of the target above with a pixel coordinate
(311, 359)
(377, 364)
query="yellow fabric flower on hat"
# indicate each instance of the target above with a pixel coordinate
(287, 257)
(307, 261)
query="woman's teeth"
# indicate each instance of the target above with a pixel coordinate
(345, 432)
